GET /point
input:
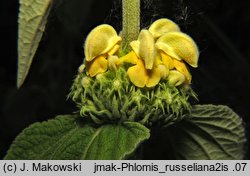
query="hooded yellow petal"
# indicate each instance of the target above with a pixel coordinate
(135, 47)
(138, 74)
(175, 78)
(154, 77)
(147, 50)
(99, 41)
(131, 58)
(96, 66)
(179, 46)
(162, 26)
(181, 67)
(167, 60)
(113, 50)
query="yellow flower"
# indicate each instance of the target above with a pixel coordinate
(148, 69)
(179, 46)
(101, 43)
(177, 65)
(160, 52)
(175, 48)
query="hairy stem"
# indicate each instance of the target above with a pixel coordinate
(131, 21)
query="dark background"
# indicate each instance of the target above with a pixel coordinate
(221, 29)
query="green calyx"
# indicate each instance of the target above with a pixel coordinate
(111, 97)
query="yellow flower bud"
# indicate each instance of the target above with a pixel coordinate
(81, 68)
(99, 77)
(85, 81)
(100, 41)
(181, 67)
(179, 46)
(112, 62)
(175, 78)
(164, 71)
(162, 26)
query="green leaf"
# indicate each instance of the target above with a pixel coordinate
(32, 20)
(66, 138)
(210, 132)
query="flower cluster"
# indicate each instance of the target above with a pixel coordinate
(143, 83)
(160, 52)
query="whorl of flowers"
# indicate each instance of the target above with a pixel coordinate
(149, 83)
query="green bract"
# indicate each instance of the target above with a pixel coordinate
(112, 97)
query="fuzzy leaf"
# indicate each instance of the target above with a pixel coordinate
(66, 138)
(211, 132)
(32, 20)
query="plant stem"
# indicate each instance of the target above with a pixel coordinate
(131, 21)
